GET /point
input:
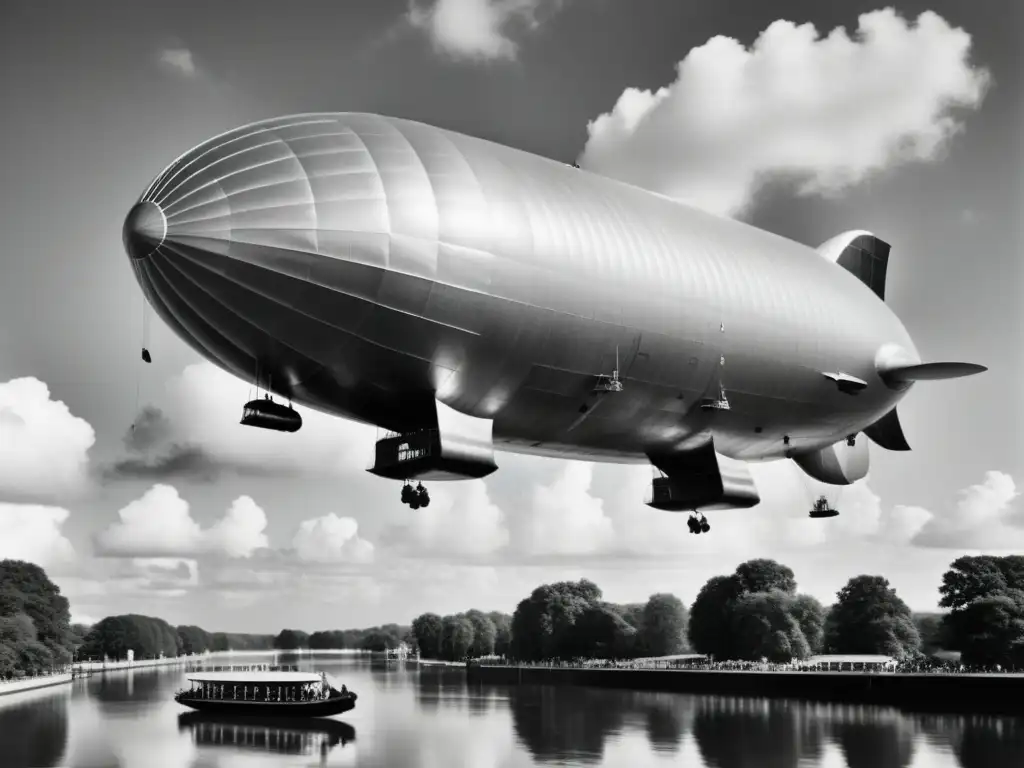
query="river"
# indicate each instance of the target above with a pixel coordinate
(428, 717)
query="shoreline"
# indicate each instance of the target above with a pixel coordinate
(922, 692)
(8, 687)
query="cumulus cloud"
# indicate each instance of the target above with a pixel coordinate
(33, 533)
(177, 60)
(331, 539)
(43, 447)
(565, 518)
(477, 29)
(823, 113)
(196, 435)
(160, 525)
(461, 520)
(983, 518)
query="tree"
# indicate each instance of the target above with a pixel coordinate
(600, 632)
(931, 629)
(970, 577)
(428, 629)
(663, 626)
(194, 639)
(870, 618)
(764, 575)
(378, 640)
(990, 630)
(26, 590)
(811, 616)
(290, 640)
(147, 637)
(484, 634)
(765, 626)
(542, 625)
(633, 613)
(456, 637)
(711, 620)
(502, 632)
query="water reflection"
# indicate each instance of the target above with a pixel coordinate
(742, 733)
(316, 736)
(569, 723)
(423, 717)
(34, 729)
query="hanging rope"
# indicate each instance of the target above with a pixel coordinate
(146, 358)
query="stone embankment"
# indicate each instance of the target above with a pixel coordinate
(975, 693)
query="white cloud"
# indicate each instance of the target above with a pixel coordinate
(983, 518)
(461, 520)
(33, 533)
(160, 525)
(331, 539)
(824, 113)
(475, 29)
(178, 60)
(43, 447)
(565, 518)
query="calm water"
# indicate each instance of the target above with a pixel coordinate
(429, 718)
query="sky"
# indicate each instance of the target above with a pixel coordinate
(803, 118)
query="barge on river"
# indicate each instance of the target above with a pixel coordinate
(265, 692)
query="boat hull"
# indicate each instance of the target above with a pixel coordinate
(335, 705)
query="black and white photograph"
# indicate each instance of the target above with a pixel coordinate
(511, 383)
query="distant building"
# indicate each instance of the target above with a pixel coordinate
(847, 662)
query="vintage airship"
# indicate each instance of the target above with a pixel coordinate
(467, 297)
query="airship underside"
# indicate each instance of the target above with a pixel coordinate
(467, 296)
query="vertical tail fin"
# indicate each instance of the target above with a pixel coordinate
(861, 254)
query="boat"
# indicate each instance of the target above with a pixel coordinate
(265, 692)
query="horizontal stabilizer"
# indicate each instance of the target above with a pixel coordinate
(905, 374)
(861, 254)
(887, 432)
(847, 384)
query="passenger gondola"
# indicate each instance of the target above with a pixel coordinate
(267, 414)
(822, 509)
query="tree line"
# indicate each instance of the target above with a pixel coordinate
(149, 638)
(36, 635)
(754, 613)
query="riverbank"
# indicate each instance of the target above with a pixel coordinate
(31, 683)
(996, 694)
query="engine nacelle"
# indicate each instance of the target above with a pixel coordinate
(839, 464)
(697, 480)
(459, 447)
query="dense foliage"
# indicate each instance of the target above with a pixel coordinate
(465, 635)
(755, 613)
(986, 595)
(870, 618)
(35, 621)
(114, 636)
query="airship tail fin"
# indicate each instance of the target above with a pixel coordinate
(887, 432)
(861, 254)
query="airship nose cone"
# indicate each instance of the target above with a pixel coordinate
(144, 231)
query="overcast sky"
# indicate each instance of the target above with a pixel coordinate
(908, 123)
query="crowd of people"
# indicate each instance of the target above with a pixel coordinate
(927, 665)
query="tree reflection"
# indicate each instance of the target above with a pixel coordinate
(873, 738)
(665, 719)
(566, 723)
(984, 742)
(34, 734)
(755, 733)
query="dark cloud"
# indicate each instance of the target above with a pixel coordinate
(154, 455)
